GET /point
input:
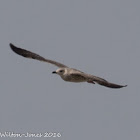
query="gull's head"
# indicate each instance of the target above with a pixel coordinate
(59, 71)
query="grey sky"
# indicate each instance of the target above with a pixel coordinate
(98, 37)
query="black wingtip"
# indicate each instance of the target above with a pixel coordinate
(12, 46)
(15, 49)
(119, 86)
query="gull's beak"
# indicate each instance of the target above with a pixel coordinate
(54, 72)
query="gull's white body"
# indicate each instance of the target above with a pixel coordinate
(66, 73)
(71, 75)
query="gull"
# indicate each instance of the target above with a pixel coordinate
(66, 73)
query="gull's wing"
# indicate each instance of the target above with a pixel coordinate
(108, 84)
(105, 83)
(32, 55)
(94, 79)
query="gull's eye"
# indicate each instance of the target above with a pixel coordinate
(61, 70)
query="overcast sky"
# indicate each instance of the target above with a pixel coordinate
(100, 37)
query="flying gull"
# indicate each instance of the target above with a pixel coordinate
(66, 73)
